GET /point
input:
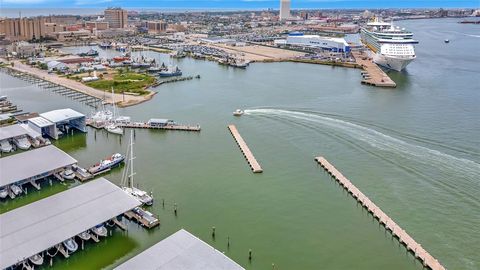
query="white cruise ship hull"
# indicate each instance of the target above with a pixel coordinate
(392, 62)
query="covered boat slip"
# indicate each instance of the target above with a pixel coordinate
(33, 165)
(12, 131)
(38, 226)
(180, 251)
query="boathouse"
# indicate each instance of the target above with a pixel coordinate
(33, 165)
(44, 224)
(181, 250)
(54, 123)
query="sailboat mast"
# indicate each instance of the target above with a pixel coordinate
(113, 105)
(132, 172)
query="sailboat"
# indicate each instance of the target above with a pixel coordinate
(112, 127)
(127, 179)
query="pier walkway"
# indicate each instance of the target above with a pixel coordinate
(404, 238)
(372, 74)
(245, 150)
(166, 127)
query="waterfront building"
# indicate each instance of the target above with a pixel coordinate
(116, 17)
(15, 29)
(156, 27)
(284, 9)
(96, 25)
(315, 41)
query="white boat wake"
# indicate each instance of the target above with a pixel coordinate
(444, 163)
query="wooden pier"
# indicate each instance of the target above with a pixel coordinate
(404, 238)
(372, 74)
(166, 127)
(245, 150)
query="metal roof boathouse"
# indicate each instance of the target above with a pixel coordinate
(180, 251)
(32, 165)
(41, 225)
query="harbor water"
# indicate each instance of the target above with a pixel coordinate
(414, 150)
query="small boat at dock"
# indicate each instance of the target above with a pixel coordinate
(170, 72)
(68, 174)
(36, 259)
(85, 236)
(16, 190)
(5, 146)
(3, 193)
(148, 217)
(106, 164)
(90, 52)
(113, 128)
(70, 245)
(22, 142)
(100, 230)
(238, 112)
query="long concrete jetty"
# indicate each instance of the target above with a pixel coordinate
(245, 150)
(372, 74)
(404, 238)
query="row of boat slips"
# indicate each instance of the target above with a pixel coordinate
(33, 165)
(19, 136)
(39, 226)
(181, 250)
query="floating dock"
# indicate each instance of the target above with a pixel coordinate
(372, 74)
(404, 238)
(143, 217)
(245, 150)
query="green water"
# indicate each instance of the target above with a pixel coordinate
(414, 150)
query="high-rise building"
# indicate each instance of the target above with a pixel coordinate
(15, 29)
(284, 9)
(156, 27)
(116, 17)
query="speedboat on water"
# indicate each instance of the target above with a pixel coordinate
(100, 230)
(447, 41)
(22, 142)
(106, 164)
(36, 259)
(68, 174)
(85, 236)
(238, 112)
(3, 193)
(70, 244)
(16, 190)
(5, 146)
(113, 128)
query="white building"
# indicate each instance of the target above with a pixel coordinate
(326, 43)
(284, 9)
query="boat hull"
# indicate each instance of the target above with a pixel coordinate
(390, 62)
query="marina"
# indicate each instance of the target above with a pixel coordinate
(403, 237)
(46, 224)
(148, 125)
(252, 162)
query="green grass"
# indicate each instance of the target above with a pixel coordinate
(125, 82)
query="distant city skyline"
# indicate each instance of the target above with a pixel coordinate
(238, 4)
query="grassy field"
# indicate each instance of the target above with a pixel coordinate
(125, 82)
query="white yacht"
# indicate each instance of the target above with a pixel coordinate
(5, 146)
(85, 236)
(238, 112)
(393, 47)
(127, 179)
(22, 142)
(70, 244)
(68, 174)
(112, 126)
(3, 193)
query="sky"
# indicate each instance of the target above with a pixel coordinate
(237, 4)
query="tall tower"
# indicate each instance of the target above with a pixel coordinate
(284, 9)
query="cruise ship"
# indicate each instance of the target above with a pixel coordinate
(393, 46)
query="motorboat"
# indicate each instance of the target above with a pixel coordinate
(70, 245)
(127, 182)
(22, 142)
(140, 195)
(170, 72)
(3, 193)
(100, 230)
(16, 189)
(85, 236)
(36, 259)
(146, 215)
(447, 41)
(106, 164)
(5, 146)
(113, 128)
(68, 174)
(238, 112)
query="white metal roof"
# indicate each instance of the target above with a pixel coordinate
(61, 115)
(31, 163)
(180, 251)
(32, 133)
(38, 226)
(11, 131)
(40, 122)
